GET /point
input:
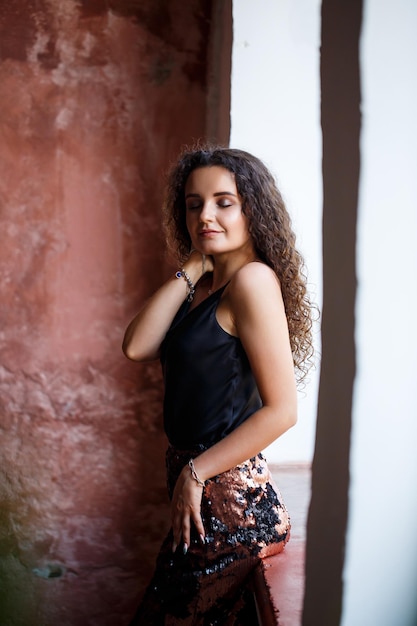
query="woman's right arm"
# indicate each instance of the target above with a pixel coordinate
(145, 333)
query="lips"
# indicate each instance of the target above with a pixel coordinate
(208, 233)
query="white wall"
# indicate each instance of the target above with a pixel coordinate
(275, 114)
(381, 566)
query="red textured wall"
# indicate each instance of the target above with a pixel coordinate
(96, 99)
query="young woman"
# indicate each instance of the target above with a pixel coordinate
(232, 329)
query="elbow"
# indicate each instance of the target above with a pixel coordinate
(128, 353)
(292, 419)
(128, 350)
(288, 419)
(130, 347)
(292, 415)
(135, 354)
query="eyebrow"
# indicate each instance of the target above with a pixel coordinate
(218, 193)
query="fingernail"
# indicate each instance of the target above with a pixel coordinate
(202, 539)
(185, 548)
(174, 546)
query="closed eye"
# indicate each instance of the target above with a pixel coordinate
(192, 206)
(224, 203)
(223, 200)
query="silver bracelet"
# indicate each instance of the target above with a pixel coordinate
(194, 473)
(191, 287)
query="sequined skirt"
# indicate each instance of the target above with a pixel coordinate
(245, 520)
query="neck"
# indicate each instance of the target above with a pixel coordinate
(226, 267)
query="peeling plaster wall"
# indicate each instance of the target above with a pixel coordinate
(96, 99)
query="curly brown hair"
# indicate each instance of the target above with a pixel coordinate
(269, 226)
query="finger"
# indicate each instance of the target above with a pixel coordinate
(177, 538)
(198, 523)
(186, 532)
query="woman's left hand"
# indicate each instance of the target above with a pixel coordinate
(186, 508)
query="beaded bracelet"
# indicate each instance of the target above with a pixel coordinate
(191, 287)
(194, 473)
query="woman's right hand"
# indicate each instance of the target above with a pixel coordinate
(145, 333)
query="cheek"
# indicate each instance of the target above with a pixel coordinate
(242, 224)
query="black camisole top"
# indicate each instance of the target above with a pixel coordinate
(209, 385)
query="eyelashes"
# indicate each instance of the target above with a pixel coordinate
(222, 204)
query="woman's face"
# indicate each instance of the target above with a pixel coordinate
(214, 217)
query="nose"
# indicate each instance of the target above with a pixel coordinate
(207, 212)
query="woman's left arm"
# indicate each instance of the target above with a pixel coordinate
(258, 315)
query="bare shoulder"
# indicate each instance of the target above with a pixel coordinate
(254, 279)
(253, 296)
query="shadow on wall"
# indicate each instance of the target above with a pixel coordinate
(97, 98)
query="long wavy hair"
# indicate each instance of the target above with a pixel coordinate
(269, 226)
